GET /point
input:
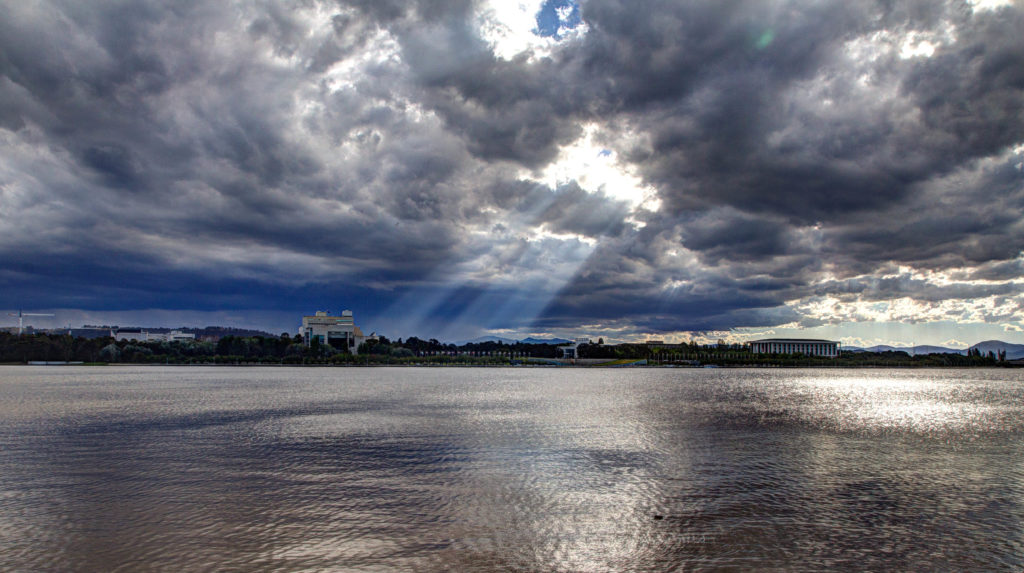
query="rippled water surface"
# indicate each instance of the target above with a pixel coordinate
(427, 469)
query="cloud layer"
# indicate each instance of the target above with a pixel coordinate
(716, 165)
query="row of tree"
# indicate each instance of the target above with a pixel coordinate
(895, 359)
(419, 348)
(286, 349)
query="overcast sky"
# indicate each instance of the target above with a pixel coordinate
(451, 168)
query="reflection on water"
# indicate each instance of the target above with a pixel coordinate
(128, 469)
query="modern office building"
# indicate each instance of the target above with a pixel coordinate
(809, 347)
(340, 332)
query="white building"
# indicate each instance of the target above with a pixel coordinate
(570, 350)
(809, 347)
(136, 334)
(139, 335)
(338, 331)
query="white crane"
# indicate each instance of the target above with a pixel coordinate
(21, 318)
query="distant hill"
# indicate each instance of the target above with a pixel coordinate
(480, 339)
(215, 332)
(913, 350)
(545, 341)
(938, 350)
(1013, 351)
(531, 340)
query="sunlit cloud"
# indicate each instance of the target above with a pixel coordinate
(511, 28)
(981, 5)
(597, 169)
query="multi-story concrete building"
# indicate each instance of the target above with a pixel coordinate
(810, 347)
(338, 331)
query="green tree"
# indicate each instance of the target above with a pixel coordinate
(110, 353)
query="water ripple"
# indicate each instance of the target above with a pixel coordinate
(278, 469)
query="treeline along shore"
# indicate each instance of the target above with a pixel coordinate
(289, 350)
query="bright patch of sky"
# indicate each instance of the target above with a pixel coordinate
(596, 169)
(911, 50)
(347, 72)
(978, 5)
(988, 309)
(528, 26)
(558, 18)
(906, 43)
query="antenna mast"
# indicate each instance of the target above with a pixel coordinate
(21, 318)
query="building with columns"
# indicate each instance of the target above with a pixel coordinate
(338, 331)
(808, 347)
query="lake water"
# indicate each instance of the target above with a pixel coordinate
(527, 469)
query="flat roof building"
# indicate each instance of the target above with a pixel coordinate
(136, 334)
(140, 335)
(340, 332)
(807, 346)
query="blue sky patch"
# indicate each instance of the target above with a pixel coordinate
(556, 15)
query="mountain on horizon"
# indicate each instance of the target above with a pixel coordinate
(1013, 351)
(206, 331)
(532, 340)
(913, 350)
(529, 340)
(480, 339)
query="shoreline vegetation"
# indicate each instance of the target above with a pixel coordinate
(286, 350)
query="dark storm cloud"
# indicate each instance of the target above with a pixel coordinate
(897, 286)
(248, 154)
(736, 236)
(968, 219)
(504, 110)
(707, 83)
(730, 128)
(729, 123)
(171, 140)
(998, 271)
(115, 165)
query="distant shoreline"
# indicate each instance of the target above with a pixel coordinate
(518, 366)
